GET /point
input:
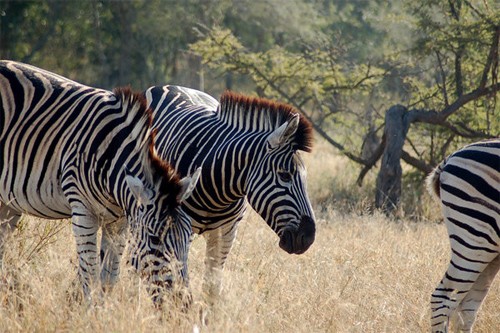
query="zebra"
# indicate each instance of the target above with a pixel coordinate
(248, 150)
(467, 184)
(73, 151)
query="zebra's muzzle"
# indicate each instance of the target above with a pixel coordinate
(298, 240)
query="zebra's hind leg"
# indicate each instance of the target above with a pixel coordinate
(112, 246)
(8, 222)
(467, 309)
(85, 231)
(458, 280)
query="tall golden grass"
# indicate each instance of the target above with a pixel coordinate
(364, 273)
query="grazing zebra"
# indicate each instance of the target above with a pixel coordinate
(68, 150)
(467, 184)
(248, 150)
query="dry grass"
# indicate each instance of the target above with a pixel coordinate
(364, 273)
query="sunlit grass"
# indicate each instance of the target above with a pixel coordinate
(364, 273)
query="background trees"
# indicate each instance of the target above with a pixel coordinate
(380, 80)
(412, 98)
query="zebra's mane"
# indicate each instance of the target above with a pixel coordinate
(170, 181)
(260, 114)
(162, 170)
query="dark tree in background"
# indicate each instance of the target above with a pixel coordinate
(108, 43)
(381, 81)
(464, 48)
(440, 91)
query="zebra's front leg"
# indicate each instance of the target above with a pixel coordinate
(219, 243)
(112, 246)
(85, 231)
(8, 222)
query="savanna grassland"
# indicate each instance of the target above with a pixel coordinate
(364, 273)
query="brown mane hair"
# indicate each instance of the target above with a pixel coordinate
(170, 180)
(162, 170)
(262, 114)
(136, 98)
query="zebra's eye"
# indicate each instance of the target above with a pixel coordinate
(285, 176)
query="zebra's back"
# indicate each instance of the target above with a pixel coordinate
(42, 128)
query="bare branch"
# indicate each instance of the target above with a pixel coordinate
(454, 11)
(492, 57)
(370, 163)
(415, 162)
(318, 129)
(478, 13)
(464, 99)
(412, 145)
(445, 146)
(433, 117)
(443, 77)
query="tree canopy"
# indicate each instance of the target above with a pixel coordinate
(342, 63)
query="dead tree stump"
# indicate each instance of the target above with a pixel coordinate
(388, 186)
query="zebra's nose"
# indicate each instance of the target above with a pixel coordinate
(306, 234)
(299, 240)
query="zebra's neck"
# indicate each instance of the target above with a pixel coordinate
(131, 134)
(252, 114)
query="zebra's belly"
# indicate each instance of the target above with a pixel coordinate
(30, 178)
(43, 199)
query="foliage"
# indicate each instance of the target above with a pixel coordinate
(313, 77)
(107, 43)
(446, 55)
(342, 63)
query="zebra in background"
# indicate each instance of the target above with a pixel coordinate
(467, 184)
(68, 150)
(248, 150)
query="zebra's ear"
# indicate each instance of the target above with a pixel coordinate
(188, 184)
(284, 132)
(142, 194)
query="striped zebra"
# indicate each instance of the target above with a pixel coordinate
(68, 150)
(467, 184)
(248, 150)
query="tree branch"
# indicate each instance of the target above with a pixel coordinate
(464, 99)
(415, 162)
(478, 13)
(433, 117)
(443, 77)
(370, 162)
(492, 56)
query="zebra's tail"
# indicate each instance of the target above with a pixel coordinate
(432, 181)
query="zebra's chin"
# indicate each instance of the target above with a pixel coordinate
(298, 240)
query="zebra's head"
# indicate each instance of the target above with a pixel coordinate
(276, 182)
(161, 231)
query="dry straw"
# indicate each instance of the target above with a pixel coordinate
(364, 273)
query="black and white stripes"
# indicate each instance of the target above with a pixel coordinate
(248, 150)
(68, 150)
(468, 186)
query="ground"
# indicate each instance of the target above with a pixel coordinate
(364, 273)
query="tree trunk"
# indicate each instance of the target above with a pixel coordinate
(388, 187)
